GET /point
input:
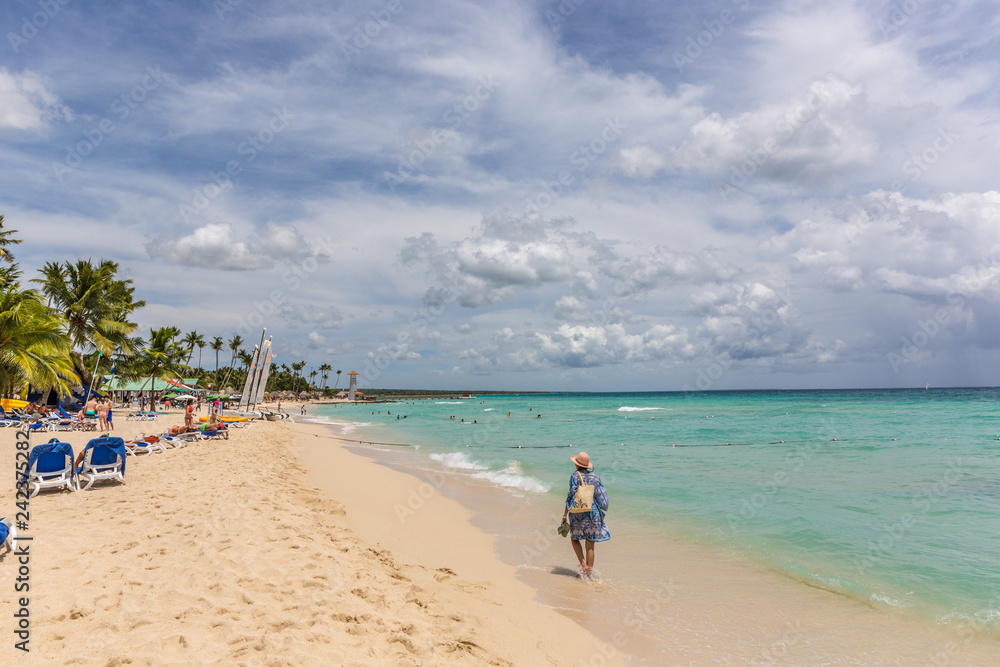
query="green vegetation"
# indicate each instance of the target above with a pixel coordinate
(75, 329)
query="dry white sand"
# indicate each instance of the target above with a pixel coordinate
(225, 552)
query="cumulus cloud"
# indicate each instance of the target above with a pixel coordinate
(28, 104)
(315, 340)
(890, 243)
(488, 268)
(579, 346)
(819, 132)
(218, 246)
(640, 161)
(213, 246)
(319, 317)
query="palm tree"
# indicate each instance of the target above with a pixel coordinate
(338, 379)
(33, 346)
(192, 339)
(162, 354)
(216, 345)
(298, 366)
(93, 302)
(312, 379)
(234, 344)
(8, 274)
(201, 346)
(325, 368)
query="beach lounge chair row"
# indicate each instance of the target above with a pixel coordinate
(51, 465)
(141, 416)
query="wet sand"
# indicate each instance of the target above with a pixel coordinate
(669, 600)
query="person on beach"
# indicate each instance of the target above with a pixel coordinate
(102, 415)
(110, 419)
(586, 527)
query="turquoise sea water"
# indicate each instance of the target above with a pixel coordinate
(891, 496)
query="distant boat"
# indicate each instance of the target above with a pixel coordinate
(928, 386)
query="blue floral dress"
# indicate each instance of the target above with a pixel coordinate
(584, 526)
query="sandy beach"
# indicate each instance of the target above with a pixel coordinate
(230, 552)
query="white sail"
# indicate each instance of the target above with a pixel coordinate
(264, 373)
(245, 396)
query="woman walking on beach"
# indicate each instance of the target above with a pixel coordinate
(587, 527)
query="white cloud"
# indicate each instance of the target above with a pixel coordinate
(316, 341)
(579, 346)
(218, 246)
(642, 161)
(213, 246)
(28, 104)
(819, 132)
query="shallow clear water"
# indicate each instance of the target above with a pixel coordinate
(886, 495)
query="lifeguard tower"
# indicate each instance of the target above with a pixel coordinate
(353, 388)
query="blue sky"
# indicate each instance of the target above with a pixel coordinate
(528, 195)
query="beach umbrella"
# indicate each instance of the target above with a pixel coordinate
(184, 397)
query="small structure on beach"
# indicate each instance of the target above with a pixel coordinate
(352, 390)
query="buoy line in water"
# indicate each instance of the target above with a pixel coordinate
(360, 442)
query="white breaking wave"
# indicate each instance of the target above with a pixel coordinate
(512, 480)
(629, 408)
(511, 477)
(488, 409)
(458, 460)
(350, 426)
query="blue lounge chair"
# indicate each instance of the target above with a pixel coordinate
(8, 420)
(103, 459)
(50, 466)
(8, 535)
(139, 445)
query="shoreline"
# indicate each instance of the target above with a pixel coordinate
(224, 552)
(408, 513)
(701, 604)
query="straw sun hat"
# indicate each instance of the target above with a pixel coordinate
(583, 460)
